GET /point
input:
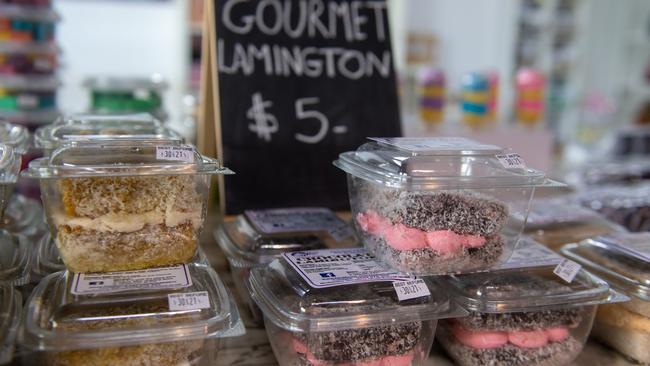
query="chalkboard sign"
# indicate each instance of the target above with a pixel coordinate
(298, 82)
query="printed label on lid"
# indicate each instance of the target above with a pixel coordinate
(549, 213)
(511, 161)
(567, 270)
(529, 253)
(189, 301)
(175, 153)
(337, 267)
(407, 290)
(424, 144)
(147, 279)
(300, 219)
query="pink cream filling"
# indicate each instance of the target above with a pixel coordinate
(522, 339)
(401, 360)
(402, 237)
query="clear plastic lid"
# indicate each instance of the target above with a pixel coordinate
(290, 303)
(620, 258)
(57, 320)
(113, 83)
(123, 157)
(523, 290)
(93, 127)
(260, 236)
(9, 169)
(547, 212)
(14, 259)
(29, 83)
(15, 136)
(39, 14)
(432, 163)
(10, 313)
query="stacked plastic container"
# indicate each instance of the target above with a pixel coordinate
(624, 261)
(125, 201)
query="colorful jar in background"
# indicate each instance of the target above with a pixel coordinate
(110, 95)
(431, 92)
(27, 58)
(493, 95)
(19, 93)
(21, 24)
(530, 96)
(27, 2)
(474, 98)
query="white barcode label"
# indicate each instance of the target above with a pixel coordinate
(567, 270)
(189, 301)
(145, 279)
(511, 161)
(407, 290)
(175, 153)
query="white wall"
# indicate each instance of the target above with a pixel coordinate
(122, 38)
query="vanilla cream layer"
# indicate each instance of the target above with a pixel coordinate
(127, 223)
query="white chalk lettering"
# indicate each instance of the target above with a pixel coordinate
(358, 21)
(340, 10)
(302, 19)
(344, 62)
(379, 8)
(276, 9)
(247, 21)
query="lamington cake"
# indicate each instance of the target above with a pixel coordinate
(128, 222)
(431, 232)
(384, 345)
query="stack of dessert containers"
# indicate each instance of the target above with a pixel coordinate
(624, 261)
(110, 95)
(125, 214)
(257, 237)
(555, 222)
(429, 206)
(349, 323)
(521, 316)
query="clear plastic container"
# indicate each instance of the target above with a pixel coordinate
(520, 317)
(248, 245)
(628, 206)
(624, 326)
(626, 171)
(15, 259)
(15, 136)
(354, 324)
(9, 170)
(137, 327)
(11, 305)
(125, 204)
(93, 127)
(25, 216)
(438, 205)
(555, 222)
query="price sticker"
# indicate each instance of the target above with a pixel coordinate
(189, 301)
(511, 161)
(175, 153)
(414, 289)
(567, 270)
